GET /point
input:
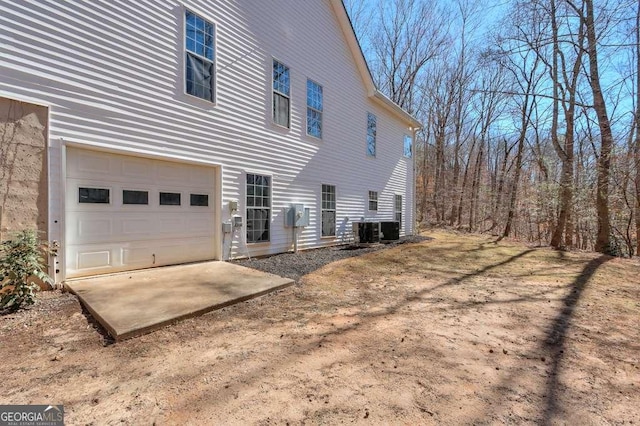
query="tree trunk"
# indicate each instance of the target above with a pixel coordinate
(604, 160)
(636, 153)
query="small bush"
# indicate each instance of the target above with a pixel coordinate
(21, 262)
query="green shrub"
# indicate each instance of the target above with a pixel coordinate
(21, 262)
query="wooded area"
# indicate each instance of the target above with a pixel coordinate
(530, 112)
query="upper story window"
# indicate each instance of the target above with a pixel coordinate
(200, 65)
(281, 95)
(371, 134)
(314, 109)
(408, 146)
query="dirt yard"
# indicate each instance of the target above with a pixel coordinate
(456, 330)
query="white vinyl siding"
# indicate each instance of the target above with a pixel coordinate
(109, 74)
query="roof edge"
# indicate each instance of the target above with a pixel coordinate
(395, 108)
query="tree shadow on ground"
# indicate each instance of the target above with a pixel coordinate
(556, 338)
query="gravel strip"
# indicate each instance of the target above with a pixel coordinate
(294, 266)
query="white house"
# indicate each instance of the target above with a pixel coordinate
(168, 119)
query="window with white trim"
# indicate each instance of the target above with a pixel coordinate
(328, 210)
(371, 134)
(373, 200)
(200, 67)
(398, 209)
(408, 146)
(258, 208)
(314, 109)
(281, 95)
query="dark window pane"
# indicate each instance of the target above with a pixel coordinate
(199, 200)
(200, 77)
(135, 197)
(169, 198)
(93, 196)
(280, 110)
(328, 223)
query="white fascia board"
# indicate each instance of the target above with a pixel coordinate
(391, 106)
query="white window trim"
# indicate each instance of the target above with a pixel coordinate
(245, 207)
(377, 200)
(185, 52)
(335, 210)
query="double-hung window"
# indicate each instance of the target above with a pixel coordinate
(314, 109)
(258, 208)
(408, 146)
(328, 210)
(371, 135)
(200, 67)
(281, 95)
(398, 209)
(373, 200)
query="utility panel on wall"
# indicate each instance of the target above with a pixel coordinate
(296, 216)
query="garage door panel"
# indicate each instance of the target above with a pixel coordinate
(137, 168)
(93, 259)
(138, 227)
(136, 256)
(198, 178)
(94, 163)
(103, 238)
(98, 229)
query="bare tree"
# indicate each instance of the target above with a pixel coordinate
(408, 35)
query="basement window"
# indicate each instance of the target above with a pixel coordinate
(169, 198)
(135, 197)
(93, 196)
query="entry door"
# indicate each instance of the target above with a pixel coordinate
(125, 213)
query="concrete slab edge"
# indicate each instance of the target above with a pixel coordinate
(150, 328)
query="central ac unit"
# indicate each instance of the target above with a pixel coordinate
(366, 232)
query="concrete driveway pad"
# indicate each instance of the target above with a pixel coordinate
(133, 303)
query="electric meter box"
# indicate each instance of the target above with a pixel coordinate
(296, 216)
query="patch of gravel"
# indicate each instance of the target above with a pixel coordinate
(296, 265)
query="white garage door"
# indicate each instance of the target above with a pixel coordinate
(125, 213)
